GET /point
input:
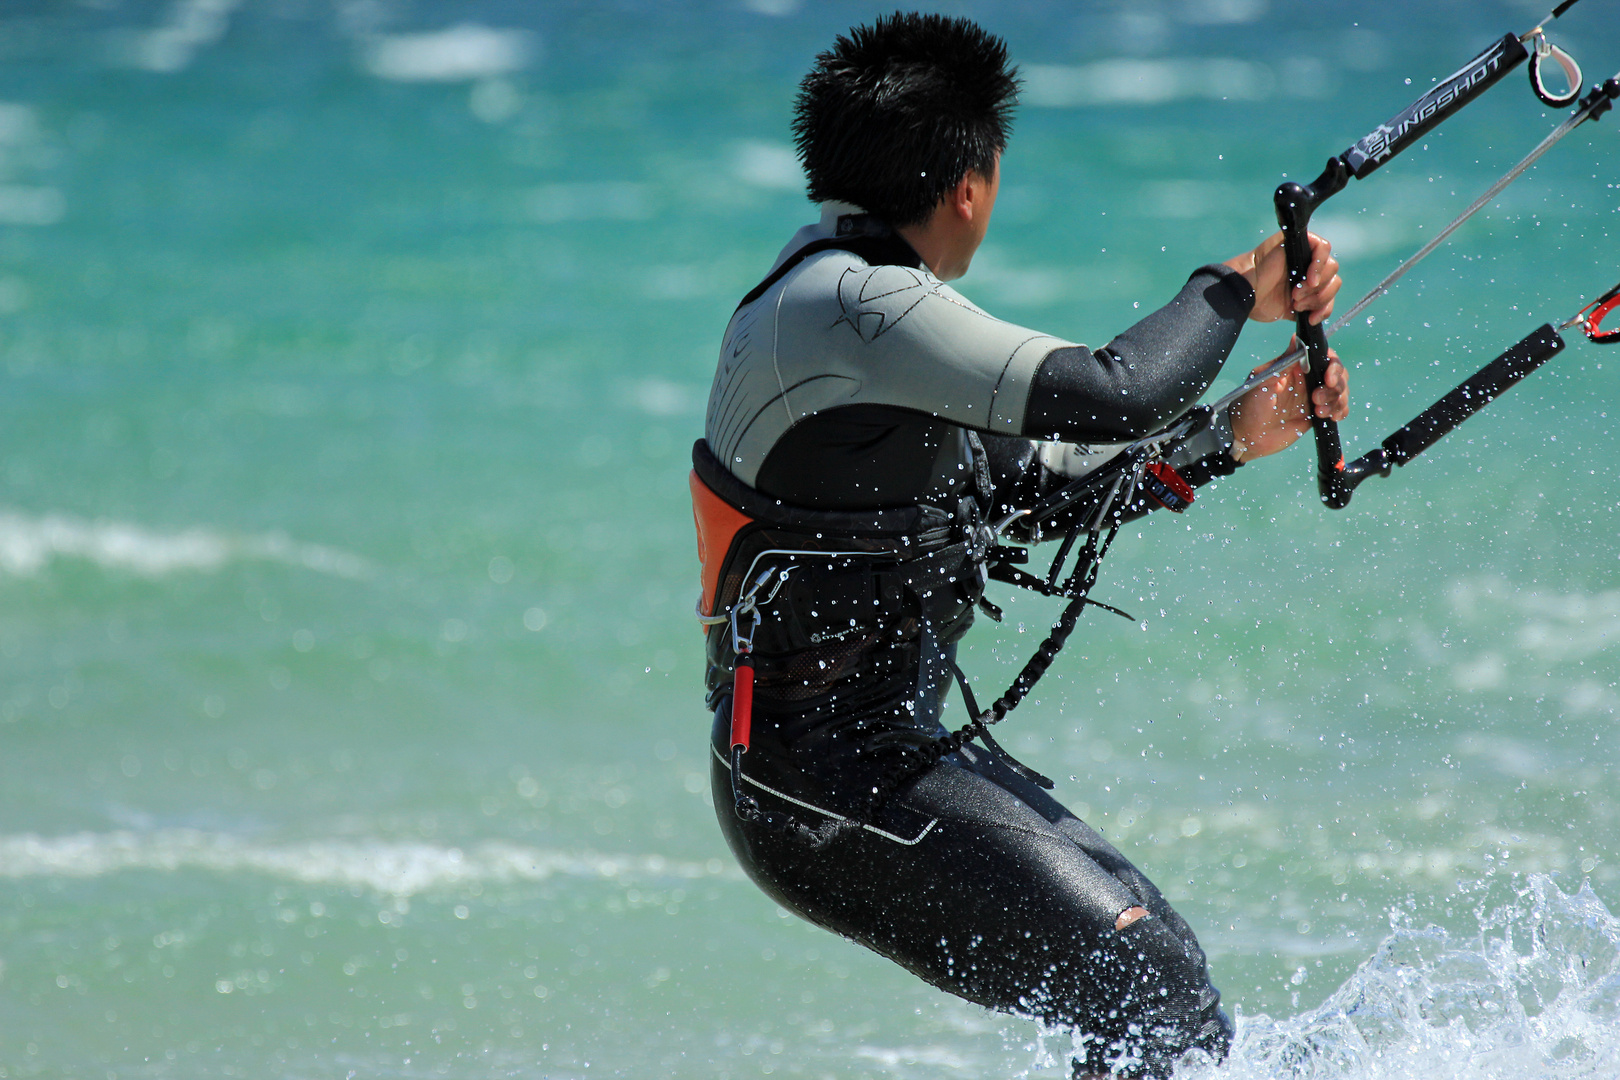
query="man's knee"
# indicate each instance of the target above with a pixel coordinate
(1130, 915)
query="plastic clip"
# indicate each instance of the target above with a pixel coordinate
(1166, 487)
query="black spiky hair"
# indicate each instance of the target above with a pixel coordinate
(896, 113)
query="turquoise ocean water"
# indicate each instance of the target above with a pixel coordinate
(350, 720)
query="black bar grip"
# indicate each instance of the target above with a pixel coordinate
(1330, 480)
(1447, 96)
(1439, 419)
(1295, 203)
(1478, 391)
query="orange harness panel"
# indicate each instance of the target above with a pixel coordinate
(718, 523)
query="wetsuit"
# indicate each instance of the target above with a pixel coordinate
(852, 380)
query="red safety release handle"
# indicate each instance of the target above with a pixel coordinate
(742, 702)
(1166, 487)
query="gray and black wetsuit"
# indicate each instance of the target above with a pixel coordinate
(851, 381)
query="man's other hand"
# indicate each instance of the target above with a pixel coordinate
(1272, 415)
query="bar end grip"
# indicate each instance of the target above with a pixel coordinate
(1295, 203)
(1332, 483)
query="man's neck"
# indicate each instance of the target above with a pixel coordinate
(934, 246)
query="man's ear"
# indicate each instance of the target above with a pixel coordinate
(964, 199)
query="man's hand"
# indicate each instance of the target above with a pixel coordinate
(1272, 415)
(1266, 269)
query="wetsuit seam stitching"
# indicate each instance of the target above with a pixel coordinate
(759, 414)
(829, 813)
(776, 340)
(1017, 422)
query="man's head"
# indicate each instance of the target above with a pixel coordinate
(894, 115)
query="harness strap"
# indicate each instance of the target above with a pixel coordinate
(860, 234)
(989, 740)
(1011, 575)
(1081, 581)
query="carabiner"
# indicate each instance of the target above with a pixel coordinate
(748, 604)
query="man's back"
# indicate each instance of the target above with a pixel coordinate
(848, 385)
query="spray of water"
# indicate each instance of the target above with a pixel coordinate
(1535, 992)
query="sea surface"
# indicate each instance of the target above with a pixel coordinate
(350, 714)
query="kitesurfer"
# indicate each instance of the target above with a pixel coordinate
(866, 427)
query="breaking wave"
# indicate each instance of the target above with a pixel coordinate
(398, 869)
(29, 544)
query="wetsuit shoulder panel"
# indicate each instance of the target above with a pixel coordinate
(836, 332)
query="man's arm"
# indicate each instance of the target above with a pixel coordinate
(1148, 375)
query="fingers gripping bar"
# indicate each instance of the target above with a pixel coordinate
(1295, 203)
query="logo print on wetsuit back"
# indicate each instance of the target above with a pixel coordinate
(875, 299)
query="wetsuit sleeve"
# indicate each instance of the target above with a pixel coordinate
(1148, 375)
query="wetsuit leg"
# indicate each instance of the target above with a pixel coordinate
(985, 886)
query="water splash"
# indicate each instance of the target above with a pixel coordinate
(1536, 993)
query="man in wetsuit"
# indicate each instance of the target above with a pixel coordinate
(854, 386)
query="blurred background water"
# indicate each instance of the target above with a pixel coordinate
(350, 718)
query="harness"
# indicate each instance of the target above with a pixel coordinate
(798, 588)
(788, 586)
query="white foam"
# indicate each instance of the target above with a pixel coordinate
(459, 53)
(394, 868)
(1535, 993)
(1549, 626)
(1145, 82)
(657, 397)
(775, 8)
(1356, 237)
(192, 25)
(939, 1057)
(29, 544)
(603, 201)
(19, 124)
(767, 165)
(1221, 12)
(23, 204)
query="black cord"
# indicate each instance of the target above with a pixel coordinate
(747, 808)
(1084, 576)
